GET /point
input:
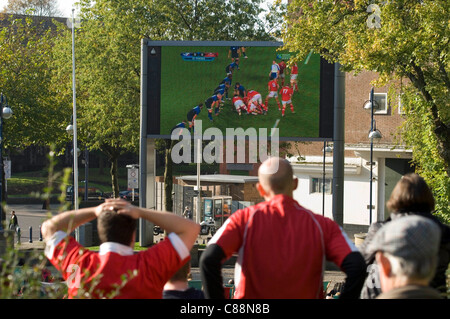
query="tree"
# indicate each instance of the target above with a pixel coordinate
(25, 57)
(47, 8)
(411, 46)
(25, 81)
(108, 58)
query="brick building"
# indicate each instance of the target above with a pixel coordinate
(391, 160)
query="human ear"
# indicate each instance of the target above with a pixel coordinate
(261, 190)
(384, 264)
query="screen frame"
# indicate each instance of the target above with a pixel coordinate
(151, 87)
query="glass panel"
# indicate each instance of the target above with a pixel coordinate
(226, 208)
(218, 212)
(207, 207)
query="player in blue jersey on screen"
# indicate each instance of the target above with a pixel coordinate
(180, 125)
(234, 53)
(192, 114)
(213, 102)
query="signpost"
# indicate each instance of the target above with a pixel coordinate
(133, 179)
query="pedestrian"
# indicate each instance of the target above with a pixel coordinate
(406, 251)
(178, 286)
(187, 213)
(410, 196)
(13, 221)
(282, 247)
(116, 271)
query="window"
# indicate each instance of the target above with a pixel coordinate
(317, 185)
(380, 100)
(400, 105)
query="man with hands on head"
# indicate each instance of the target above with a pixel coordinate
(139, 275)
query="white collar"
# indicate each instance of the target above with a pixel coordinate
(112, 247)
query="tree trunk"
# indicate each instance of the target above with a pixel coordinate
(441, 130)
(114, 176)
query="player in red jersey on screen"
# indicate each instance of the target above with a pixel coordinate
(255, 98)
(239, 104)
(294, 76)
(273, 93)
(286, 98)
(282, 66)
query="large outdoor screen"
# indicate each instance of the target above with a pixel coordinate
(178, 76)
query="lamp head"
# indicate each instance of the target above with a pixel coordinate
(368, 105)
(69, 129)
(375, 135)
(7, 112)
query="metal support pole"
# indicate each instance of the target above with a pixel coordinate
(31, 235)
(75, 147)
(371, 156)
(1, 162)
(86, 173)
(147, 157)
(323, 180)
(40, 233)
(199, 195)
(338, 145)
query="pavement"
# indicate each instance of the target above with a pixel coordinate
(30, 217)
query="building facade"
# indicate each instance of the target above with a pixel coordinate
(390, 159)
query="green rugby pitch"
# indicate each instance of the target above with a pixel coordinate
(185, 84)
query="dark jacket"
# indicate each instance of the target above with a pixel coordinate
(411, 292)
(372, 288)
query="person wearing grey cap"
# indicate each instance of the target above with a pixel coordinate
(406, 251)
(410, 196)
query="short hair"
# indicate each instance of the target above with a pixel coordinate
(411, 194)
(279, 181)
(419, 269)
(114, 227)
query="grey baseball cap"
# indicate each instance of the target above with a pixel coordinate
(411, 237)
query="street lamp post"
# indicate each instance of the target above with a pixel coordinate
(75, 147)
(374, 134)
(5, 113)
(326, 149)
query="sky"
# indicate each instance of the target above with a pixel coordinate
(65, 6)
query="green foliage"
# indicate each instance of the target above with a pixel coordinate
(107, 49)
(24, 274)
(411, 47)
(25, 77)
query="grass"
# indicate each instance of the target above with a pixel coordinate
(25, 183)
(137, 247)
(189, 83)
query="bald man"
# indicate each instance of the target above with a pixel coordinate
(282, 247)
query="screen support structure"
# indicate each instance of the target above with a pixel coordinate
(338, 145)
(147, 159)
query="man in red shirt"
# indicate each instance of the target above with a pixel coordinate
(116, 271)
(273, 93)
(286, 98)
(281, 246)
